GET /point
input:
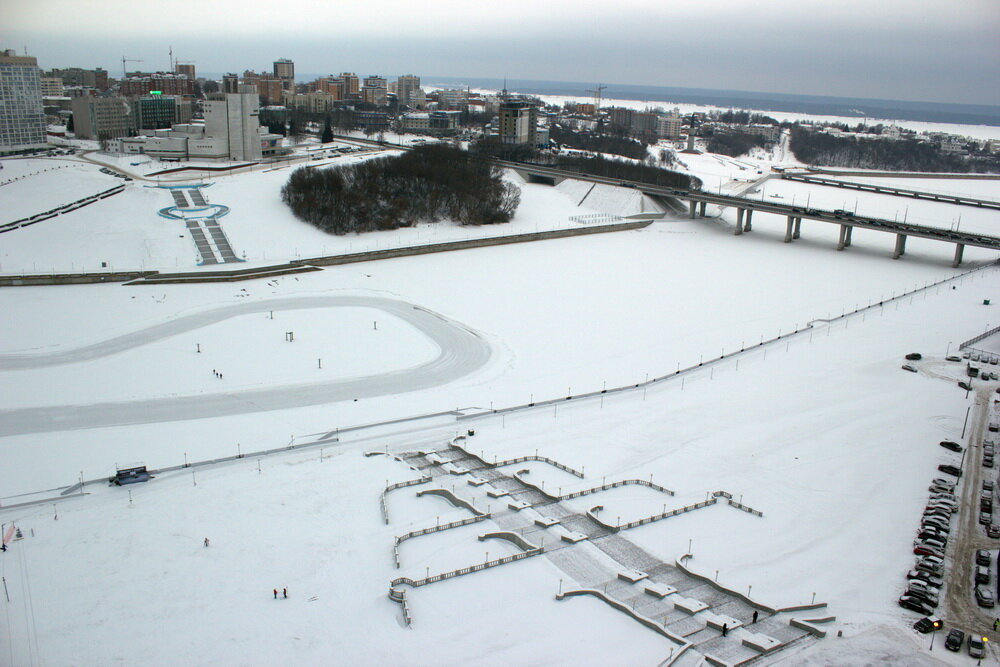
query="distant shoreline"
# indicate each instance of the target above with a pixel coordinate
(934, 112)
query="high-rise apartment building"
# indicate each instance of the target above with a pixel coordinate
(230, 83)
(352, 85)
(168, 83)
(22, 119)
(284, 69)
(406, 86)
(518, 122)
(187, 69)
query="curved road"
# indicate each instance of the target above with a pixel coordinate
(461, 351)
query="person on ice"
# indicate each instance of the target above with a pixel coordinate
(284, 592)
(206, 541)
(275, 593)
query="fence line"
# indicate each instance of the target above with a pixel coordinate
(514, 461)
(399, 596)
(613, 485)
(65, 208)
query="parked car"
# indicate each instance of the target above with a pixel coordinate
(935, 522)
(994, 427)
(954, 640)
(908, 367)
(941, 481)
(983, 557)
(926, 577)
(986, 518)
(952, 357)
(927, 597)
(950, 469)
(931, 533)
(952, 445)
(986, 505)
(926, 550)
(914, 356)
(928, 624)
(965, 385)
(993, 530)
(982, 574)
(929, 567)
(932, 542)
(984, 597)
(915, 604)
(977, 647)
(988, 485)
(987, 461)
(942, 495)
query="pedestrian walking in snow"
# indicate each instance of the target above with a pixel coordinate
(754, 617)
(996, 623)
(284, 592)
(275, 593)
(206, 541)
(725, 629)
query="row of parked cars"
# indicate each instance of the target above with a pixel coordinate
(112, 172)
(924, 581)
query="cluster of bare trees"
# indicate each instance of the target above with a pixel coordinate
(428, 184)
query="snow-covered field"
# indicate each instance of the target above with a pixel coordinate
(824, 434)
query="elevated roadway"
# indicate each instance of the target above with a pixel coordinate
(885, 189)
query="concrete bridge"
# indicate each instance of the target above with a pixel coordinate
(885, 189)
(697, 200)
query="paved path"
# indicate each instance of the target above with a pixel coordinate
(462, 351)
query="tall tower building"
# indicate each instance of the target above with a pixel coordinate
(406, 85)
(187, 69)
(284, 69)
(237, 120)
(518, 123)
(352, 85)
(22, 119)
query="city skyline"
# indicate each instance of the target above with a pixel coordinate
(926, 51)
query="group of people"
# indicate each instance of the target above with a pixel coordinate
(284, 593)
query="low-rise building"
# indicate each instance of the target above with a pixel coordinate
(431, 122)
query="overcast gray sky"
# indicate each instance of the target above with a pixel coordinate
(929, 50)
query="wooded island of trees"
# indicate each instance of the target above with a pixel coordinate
(427, 184)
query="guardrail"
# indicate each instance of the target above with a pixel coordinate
(976, 339)
(514, 461)
(393, 487)
(399, 596)
(427, 531)
(466, 570)
(614, 485)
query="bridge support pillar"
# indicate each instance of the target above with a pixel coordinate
(900, 246)
(693, 206)
(703, 204)
(843, 243)
(798, 228)
(739, 221)
(788, 229)
(847, 239)
(959, 251)
(747, 227)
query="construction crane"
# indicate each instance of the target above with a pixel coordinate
(126, 59)
(597, 97)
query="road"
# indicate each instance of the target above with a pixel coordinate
(461, 351)
(960, 608)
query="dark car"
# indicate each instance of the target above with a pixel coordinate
(985, 518)
(984, 597)
(927, 624)
(982, 557)
(950, 469)
(954, 640)
(925, 577)
(915, 604)
(914, 356)
(977, 647)
(993, 530)
(952, 445)
(965, 385)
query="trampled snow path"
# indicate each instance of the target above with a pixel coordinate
(461, 351)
